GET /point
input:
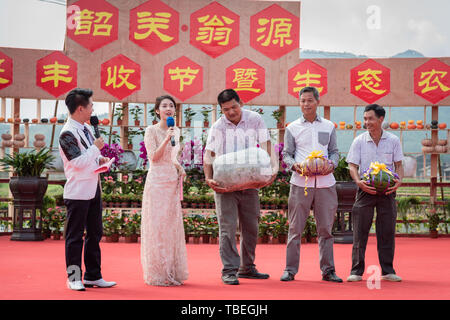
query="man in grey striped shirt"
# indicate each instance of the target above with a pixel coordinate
(309, 133)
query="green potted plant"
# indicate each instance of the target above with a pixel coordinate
(433, 221)
(112, 223)
(277, 115)
(281, 228)
(118, 114)
(205, 113)
(197, 227)
(213, 229)
(264, 229)
(188, 115)
(310, 231)
(28, 187)
(48, 202)
(57, 217)
(404, 204)
(187, 223)
(153, 115)
(136, 112)
(130, 227)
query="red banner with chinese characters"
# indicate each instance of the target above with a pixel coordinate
(370, 81)
(214, 29)
(120, 76)
(274, 32)
(307, 74)
(56, 74)
(183, 78)
(247, 78)
(432, 80)
(154, 26)
(93, 23)
(6, 71)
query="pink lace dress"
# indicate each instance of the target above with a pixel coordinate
(163, 245)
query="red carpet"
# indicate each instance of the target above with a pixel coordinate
(35, 270)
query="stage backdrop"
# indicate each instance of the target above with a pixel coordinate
(135, 50)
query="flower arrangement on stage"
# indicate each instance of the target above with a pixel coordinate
(192, 154)
(279, 149)
(113, 151)
(143, 154)
(56, 218)
(188, 115)
(131, 223)
(112, 222)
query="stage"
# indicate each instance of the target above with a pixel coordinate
(36, 270)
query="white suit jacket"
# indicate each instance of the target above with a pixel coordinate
(80, 160)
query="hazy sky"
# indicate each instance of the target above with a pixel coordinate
(331, 25)
(376, 28)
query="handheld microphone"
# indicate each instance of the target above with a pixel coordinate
(171, 123)
(94, 123)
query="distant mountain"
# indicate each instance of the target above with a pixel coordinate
(310, 54)
(317, 54)
(409, 54)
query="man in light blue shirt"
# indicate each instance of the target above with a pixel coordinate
(379, 145)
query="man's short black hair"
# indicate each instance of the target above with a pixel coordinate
(310, 89)
(78, 97)
(227, 95)
(379, 110)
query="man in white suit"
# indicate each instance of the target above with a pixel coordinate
(80, 153)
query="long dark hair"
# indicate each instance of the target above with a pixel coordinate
(160, 99)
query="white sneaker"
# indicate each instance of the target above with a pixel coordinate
(99, 283)
(354, 278)
(76, 285)
(391, 277)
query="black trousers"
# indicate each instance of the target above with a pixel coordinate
(84, 215)
(362, 215)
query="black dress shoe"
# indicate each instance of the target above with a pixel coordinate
(331, 276)
(253, 274)
(287, 276)
(230, 279)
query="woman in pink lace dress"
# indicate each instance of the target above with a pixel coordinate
(163, 246)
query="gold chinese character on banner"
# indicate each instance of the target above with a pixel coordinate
(56, 72)
(186, 76)
(307, 80)
(160, 21)
(245, 79)
(99, 20)
(3, 80)
(123, 76)
(433, 77)
(275, 31)
(214, 29)
(370, 80)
